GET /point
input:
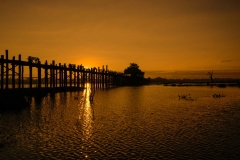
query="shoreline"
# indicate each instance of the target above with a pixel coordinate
(220, 85)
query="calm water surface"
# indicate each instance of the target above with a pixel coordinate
(148, 122)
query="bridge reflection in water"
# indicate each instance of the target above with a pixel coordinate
(86, 113)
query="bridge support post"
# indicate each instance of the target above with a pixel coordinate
(39, 74)
(53, 74)
(30, 76)
(65, 76)
(2, 71)
(19, 71)
(46, 75)
(60, 75)
(78, 68)
(74, 76)
(70, 76)
(13, 72)
(6, 69)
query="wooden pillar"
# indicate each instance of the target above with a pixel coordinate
(103, 71)
(6, 70)
(53, 74)
(87, 75)
(106, 77)
(98, 77)
(96, 81)
(39, 75)
(110, 79)
(84, 77)
(46, 75)
(13, 72)
(56, 75)
(22, 76)
(50, 76)
(19, 71)
(65, 75)
(74, 76)
(60, 75)
(93, 77)
(78, 68)
(81, 76)
(70, 75)
(30, 75)
(2, 71)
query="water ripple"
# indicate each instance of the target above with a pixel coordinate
(147, 122)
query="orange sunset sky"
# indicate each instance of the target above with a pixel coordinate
(162, 36)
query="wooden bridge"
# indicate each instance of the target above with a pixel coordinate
(52, 77)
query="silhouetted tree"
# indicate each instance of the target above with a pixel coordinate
(134, 70)
(137, 76)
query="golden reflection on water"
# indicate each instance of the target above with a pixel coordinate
(85, 118)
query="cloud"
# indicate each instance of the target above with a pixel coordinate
(225, 61)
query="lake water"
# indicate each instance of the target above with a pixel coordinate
(147, 122)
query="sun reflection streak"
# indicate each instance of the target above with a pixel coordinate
(85, 117)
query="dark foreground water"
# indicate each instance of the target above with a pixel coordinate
(148, 122)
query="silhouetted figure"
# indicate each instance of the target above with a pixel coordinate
(33, 59)
(211, 76)
(92, 95)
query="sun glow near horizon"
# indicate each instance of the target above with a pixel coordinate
(157, 35)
